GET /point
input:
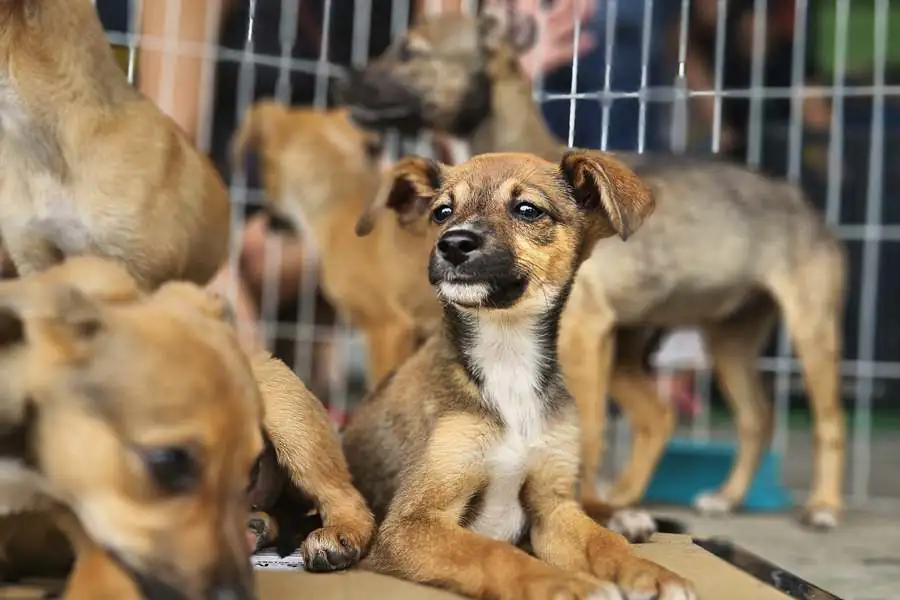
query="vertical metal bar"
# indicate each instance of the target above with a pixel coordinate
(836, 142)
(362, 25)
(865, 373)
(244, 95)
(645, 73)
(680, 113)
(612, 7)
(721, 11)
(287, 36)
(757, 83)
(573, 87)
(322, 66)
(135, 26)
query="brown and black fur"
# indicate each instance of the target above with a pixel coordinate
(452, 437)
(728, 250)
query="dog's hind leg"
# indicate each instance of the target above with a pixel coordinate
(734, 346)
(812, 303)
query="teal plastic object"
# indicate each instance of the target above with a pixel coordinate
(689, 468)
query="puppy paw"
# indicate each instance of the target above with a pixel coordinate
(636, 525)
(641, 579)
(563, 585)
(331, 549)
(262, 530)
(820, 518)
(713, 504)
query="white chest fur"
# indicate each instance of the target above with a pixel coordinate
(508, 358)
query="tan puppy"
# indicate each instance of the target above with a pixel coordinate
(472, 445)
(729, 251)
(320, 172)
(310, 469)
(142, 417)
(90, 166)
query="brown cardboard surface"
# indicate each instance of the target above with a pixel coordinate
(715, 579)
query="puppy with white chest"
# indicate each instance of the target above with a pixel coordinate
(472, 445)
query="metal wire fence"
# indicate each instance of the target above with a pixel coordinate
(850, 167)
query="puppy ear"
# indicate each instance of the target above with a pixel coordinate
(500, 24)
(262, 123)
(185, 295)
(407, 189)
(608, 190)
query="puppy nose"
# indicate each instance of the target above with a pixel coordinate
(457, 246)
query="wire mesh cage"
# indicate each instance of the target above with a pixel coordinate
(801, 89)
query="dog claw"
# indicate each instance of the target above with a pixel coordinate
(713, 504)
(636, 525)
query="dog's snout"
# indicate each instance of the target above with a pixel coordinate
(457, 246)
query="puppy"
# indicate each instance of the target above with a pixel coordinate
(321, 173)
(472, 445)
(88, 165)
(302, 467)
(729, 251)
(160, 404)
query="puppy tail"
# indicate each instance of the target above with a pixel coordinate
(259, 123)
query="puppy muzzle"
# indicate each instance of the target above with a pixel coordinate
(377, 101)
(468, 270)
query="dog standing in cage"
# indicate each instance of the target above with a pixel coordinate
(89, 165)
(728, 250)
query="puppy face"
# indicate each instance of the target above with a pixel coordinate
(438, 75)
(513, 228)
(145, 420)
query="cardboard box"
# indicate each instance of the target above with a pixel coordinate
(281, 579)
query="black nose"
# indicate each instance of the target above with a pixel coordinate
(457, 246)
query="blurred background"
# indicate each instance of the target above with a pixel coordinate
(804, 89)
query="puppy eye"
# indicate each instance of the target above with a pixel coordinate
(527, 211)
(174, 469)
(441, 213)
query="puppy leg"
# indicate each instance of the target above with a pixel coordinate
(586, 355)
(812, 314)
(652, 423)
(388, 344)
(564, 536)
(307, 448)
(421, 540)
(734, 347)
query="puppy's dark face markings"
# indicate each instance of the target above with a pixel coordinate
(508, 233)
(437, 76)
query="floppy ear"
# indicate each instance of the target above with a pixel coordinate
(406, 189)
(500, 24)
(186, 295)
(616, 199)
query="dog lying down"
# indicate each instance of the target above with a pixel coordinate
(472, 445)
(166, 506)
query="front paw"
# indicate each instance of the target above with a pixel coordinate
(562, 585)
(640, 579)
(332, 549)
(636, 526)
(262, 531)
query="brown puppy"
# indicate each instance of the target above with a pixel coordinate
(729, 250)
(305, 467)
(473, 444)
(90, 166)
(319, 175)
(320, 172)
(142, 417)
